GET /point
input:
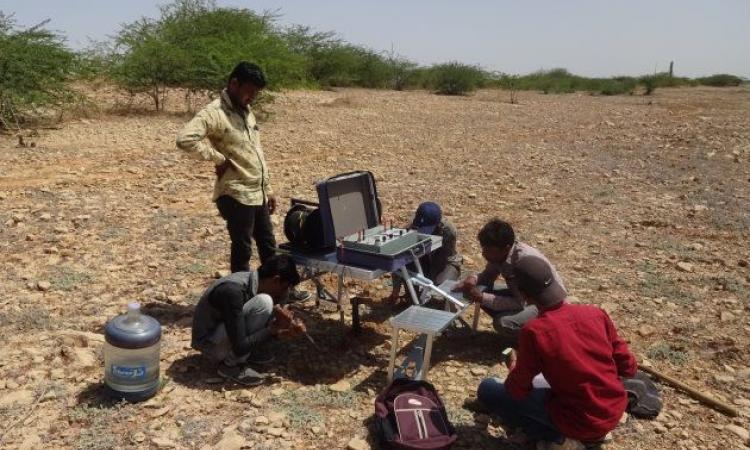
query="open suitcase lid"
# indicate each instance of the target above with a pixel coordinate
(348, 203)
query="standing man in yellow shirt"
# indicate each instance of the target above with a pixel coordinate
(226, 133)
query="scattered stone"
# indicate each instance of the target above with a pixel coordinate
(246, 426)
(162, 442)
(726, 316)
(44, 286)
(685, 267)
(478, 371)
(277, 392)
(221, 273)
(245, 396)
(646, 330)
(723, 379)
(739, 431)
(139, 437)
(32, 442)
(84, 357)
(275, 431)
(341, 386)
(358, 444)
(262, 420)
(231, 441)
(161, 411)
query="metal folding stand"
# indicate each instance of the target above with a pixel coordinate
(426, 321)
(313, 268)
(315, 265)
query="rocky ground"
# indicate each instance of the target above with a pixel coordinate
(643, 203)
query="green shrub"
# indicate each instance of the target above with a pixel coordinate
(195, 45)
(720, 80)
(455, 78)
(663, 351)
(35, 66)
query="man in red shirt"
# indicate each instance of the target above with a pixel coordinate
(577, 350)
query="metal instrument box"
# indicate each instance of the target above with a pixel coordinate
(351, 218)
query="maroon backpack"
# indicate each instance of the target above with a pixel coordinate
(410, 415)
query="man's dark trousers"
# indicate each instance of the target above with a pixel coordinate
(244, 224)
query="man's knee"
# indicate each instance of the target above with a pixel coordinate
(507, 327)
(260, 305)
(489, 390)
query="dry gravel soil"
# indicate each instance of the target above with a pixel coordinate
(643, 203)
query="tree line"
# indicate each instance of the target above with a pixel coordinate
(194, 44)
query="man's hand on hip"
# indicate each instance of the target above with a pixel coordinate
(222, 168)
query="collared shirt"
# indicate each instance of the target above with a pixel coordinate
(577, 349)
(221, 132)
(518, 252)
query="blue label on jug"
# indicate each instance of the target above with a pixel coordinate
(129, 372)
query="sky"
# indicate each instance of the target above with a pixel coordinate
(588, 37)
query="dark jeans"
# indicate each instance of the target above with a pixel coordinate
(529, 414)
(244, 224)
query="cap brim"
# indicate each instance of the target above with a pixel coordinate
(427, 229)
(552, 295)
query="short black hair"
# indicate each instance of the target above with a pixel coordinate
(496, 233)
(281, 265)
(247, 72)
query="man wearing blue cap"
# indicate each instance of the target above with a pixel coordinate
(442, 264)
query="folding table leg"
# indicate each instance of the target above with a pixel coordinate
(409, 285)
(394, 350)
(339, 299)
(426, 358)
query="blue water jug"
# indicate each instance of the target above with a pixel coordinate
(131, 355)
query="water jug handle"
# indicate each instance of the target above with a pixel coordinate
(134, 312)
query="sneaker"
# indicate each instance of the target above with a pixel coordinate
(241, 374)
(295, 295)
(566, 444)
(259, 357)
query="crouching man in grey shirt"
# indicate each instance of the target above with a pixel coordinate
(239, 312)
(503, 253)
